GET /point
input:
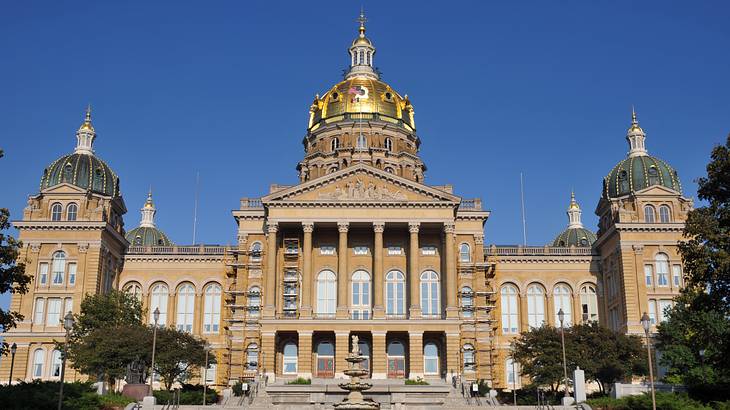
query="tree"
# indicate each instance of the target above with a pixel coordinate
(179, 355)
(114, 308)
(540, 356)
(12, 274)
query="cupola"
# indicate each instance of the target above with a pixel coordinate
(147, 233)
(576, 234)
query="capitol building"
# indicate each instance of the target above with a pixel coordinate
(361, 245)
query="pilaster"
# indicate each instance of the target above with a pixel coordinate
(413, 272)
(452, 310)
(341, 350)
(453, 355)
(268, 354)
(379, 356)
(378, 280)
(270, 279)
(305, 354)
(306, 291)
(415, 355)
(342, 274)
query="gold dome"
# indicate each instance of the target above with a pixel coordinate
(362, 98)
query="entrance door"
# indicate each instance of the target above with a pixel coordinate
(325, 359)
(396, 360)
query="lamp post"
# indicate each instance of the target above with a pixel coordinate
(13, 349)
(702, 364)
(68, 324)
(561, 317)
(205, 371)
(514, 379)
(646, 323)
(155, 317)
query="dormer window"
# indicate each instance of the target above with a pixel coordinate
(653, 175)
(138, 240)
(389, 144)
(623, 182)
(665, 215)
(362, 142)
(56, 211)
(68, 173)
(335, 144)
(71, 212)
(649, 214)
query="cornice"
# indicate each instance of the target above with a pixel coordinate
(172, 258)
(362, 204)
(577, 259)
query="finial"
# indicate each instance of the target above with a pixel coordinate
(88, 113)
(634, 121)
(362, 20)
(573, 202)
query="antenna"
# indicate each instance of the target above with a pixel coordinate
(522, 200)
(195, 209)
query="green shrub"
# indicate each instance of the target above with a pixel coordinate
(300, 380)
(114, 400)
(720, 405)
(237, 389)
(44, 395)
(418, 382)
(190, 394)
(664, 401)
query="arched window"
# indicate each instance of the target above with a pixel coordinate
(510, 309)
(68, 173)
(361, 295)
(289, 365)
(361, 57)
(59, 267)
(467, 302)
(212, 308)
(389, 144)
(430, 294)
(252, 356)
(158, 300)
(665, 215)
(535, 305)
(469, 362)
(430, 358)
(71, 212)
(134, 289)
(389, 170)
(38, 359)
(334, 144)
(662, 269)
(649, 214)
(326, 293)
(362, 142)
(395, 295)
(562, 298)
(56, 211)
(185, 307)
(56, 364)
(623, 181)
(256, 252)
(464, 253)
(254, 301)
(589, 303)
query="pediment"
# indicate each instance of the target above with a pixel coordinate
(360, 183)
(658, 190)
(64, 188)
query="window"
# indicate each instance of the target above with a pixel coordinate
(252, 356)
(509, 305)
(68, 306)
(430, 293)
(464, 253)
(389, 170)
(56, 364)
(361, 295)
(334, 144)
(653, 175)
(562, 297)
(677, 275)
(664, 306)
(59, 267)
(71, 274)
(649, 214)
(395, 295)
(40, 304)
(159, 301)
(254, 301)
(389, 145)
(326, 293)
(362, 142)
(652, 311)
(623, 182)
(428, 250)
(469, 362)
(467, 302)
(43, 274)
(430, 358)
(212, 311)
(71, 212)
(664, 214)
(395, 250)
(360, 250)
(290, 358)
(134, 289)
(649, 274)
(185, 307)
(535, 305)
(210, 373)
(512, 375)
(56, 211)
(589, 303)
(54, 312)
(256, 252)
(327, 250)
(662, 269)
(38, 358)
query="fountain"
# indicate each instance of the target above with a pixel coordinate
(355, 387)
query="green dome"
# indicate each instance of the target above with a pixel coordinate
(84, 171)
(147, 236)
(638, 172)
(580, 237)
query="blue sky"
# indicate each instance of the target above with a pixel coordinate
(223, 88)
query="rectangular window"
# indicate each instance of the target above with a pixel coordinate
(428, 250)
(38, 311)
(677, 275)
(360, 250)
(54, 312)
(661, 277)
(58, 271)
(649, 274)
(664, 306)
(43, 274)
(652, 311)
(512, 373)
(68, 306)
(210, 374)
(326, 250)
(395, 250)
(71, 274)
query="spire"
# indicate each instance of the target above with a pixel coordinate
(362, 52)
(85, 135)
(574, 213)
(635, 136)
(148, 212)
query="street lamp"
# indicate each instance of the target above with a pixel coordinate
(13, 349)
(68, 324)
(205, 371)
(156, 317)
(561, 317)
(646, 323)
(514, 379)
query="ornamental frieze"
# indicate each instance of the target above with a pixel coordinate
(358, 190)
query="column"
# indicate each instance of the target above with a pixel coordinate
(378, 280)
(342, 348)
(270, 279)
(306, 290)
(304, 360)
(379, 356)
(198, 312)
(268, 354)
(452, 310)
(523, 314)
(415, 354)
(453, 355)
(343, 277)
(413, 272)
(577, 308)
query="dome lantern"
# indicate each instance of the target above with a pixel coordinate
(636, 137)
(148, 212)
(85, 135)
(575, 234)
(147, 233)
(574, 213)
(362, 52)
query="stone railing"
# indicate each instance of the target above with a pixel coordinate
(180, 250)
(471, 204)
(519, 250)
(251, 203)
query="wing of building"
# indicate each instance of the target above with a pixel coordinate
(362, 245)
